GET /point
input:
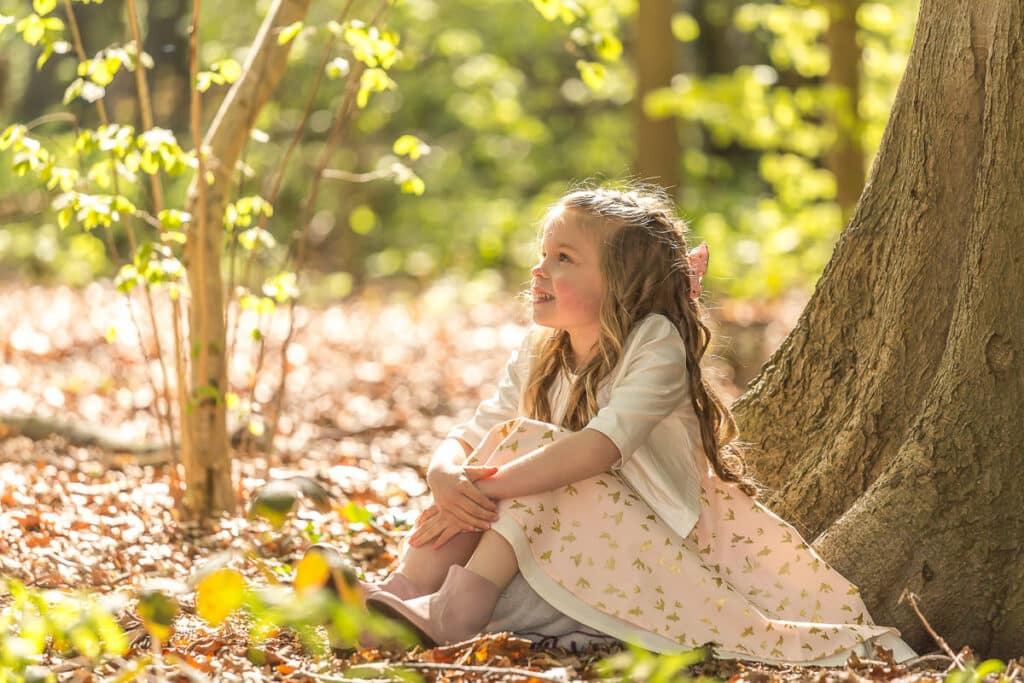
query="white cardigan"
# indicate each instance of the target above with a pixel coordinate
(644, 407)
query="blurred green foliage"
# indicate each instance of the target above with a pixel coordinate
(489, 111)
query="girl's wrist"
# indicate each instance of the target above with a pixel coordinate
(490, 486)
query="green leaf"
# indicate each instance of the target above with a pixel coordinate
(609, 47)
(372, 80)
(44, 56)
(592, 73)
(289, 32)
(31, 28)
(173, 218)
(73, 90)
(411, 146)
(413, 185)
(228, 68)
(157, 610)
(356, 513)
(64, 217)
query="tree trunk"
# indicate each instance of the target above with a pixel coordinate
(846, 158)
(657, 140)
(888, 422)
(207, 462)
(167, 43)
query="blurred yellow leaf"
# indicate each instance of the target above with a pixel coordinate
(311, 572)
(219, 594)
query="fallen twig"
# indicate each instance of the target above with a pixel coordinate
(909, 595)
(504, 670)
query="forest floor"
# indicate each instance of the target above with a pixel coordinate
(372, 388)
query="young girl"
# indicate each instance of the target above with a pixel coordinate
(600, 493)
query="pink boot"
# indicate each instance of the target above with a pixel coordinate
(397, 583)
(456, 612)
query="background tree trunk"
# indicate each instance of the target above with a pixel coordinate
(207, 461)
(846, 158)
(168, 45)
(657, 140)
(888, 422)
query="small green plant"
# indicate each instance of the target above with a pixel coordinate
(975, 673)
(69, 623)
(638, 664)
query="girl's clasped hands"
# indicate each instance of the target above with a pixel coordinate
(458, 506)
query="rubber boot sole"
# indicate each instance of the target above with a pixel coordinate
(389, 612)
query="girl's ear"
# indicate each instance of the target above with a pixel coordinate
(698, 257)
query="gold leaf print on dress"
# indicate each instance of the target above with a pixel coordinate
(546, 556)
(571, 490)
(610, 563)
(582, 583)
(764, 551)
(783, 570)
(577, 558)
(748, 631)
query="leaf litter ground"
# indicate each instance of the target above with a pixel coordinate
(372, 389)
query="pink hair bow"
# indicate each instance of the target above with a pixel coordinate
(698, 257)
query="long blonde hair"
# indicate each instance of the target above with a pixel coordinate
(646, 270)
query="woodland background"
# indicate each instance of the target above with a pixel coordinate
(762, 118)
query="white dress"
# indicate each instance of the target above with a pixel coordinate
(645, 409)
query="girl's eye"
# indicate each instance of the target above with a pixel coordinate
(561, 255)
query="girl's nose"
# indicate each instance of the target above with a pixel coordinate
(537, 271)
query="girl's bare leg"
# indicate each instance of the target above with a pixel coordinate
(494, 559)
(427, 567)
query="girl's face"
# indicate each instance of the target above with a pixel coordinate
(568, 284)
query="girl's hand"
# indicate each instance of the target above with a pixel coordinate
(437, 526)
(455, 493)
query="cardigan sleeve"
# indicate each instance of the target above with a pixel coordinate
(651, 385)
(503, 404)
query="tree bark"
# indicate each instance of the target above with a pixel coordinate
(846, 158)
(658, 149)
(207, 461)
(888, 421)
